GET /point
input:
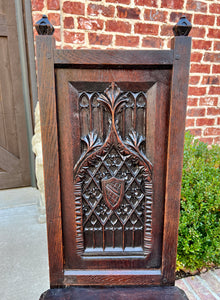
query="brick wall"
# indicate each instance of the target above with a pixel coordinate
(143, 24)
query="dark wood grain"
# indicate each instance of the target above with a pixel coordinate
(114, 134)
(178, 102)
(112, 277)
(113, 58)
(68, 117)
(116, 293)
(48, 111)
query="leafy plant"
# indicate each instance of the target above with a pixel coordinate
(199, 228)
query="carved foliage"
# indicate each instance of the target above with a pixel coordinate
(113, 188)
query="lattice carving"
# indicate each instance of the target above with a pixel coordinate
(113, 178)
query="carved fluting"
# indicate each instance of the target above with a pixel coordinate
(78, 216)
(113, 184)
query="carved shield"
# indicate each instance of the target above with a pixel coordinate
(113, 191)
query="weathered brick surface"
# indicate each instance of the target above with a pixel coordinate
(127, 41)
(145, 24)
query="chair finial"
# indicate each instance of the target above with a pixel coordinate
(44, 27)
(183, 27)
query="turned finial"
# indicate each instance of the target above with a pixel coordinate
(44, 27)
(183, 27)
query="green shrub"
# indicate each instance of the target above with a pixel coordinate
(199, 228)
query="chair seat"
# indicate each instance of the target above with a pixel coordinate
(115, 293)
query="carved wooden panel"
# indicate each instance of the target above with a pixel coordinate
(112, 164)
(113, 177)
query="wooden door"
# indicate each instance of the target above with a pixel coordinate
(14, 160)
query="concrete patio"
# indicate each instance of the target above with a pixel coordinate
(23, 248)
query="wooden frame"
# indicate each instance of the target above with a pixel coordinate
(49, 59)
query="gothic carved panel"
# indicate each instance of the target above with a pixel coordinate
(113, 177)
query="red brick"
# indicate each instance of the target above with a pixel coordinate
(211, 80)
(155, 15)
(119, 1)
(196, 91)
(192, 102)
(218, 21)
(194, 80)
(90, 24)
(166, 30)
(205, 121)
(175, 16)
(213, 111)
(142, 28)
(75, 8)
(173, 4)
(127, 41)
(37, 5)
(208, 101)
(214, 8)
(128, 13)
(196, 131)
(201, 44)
(152, 42)
(196, 6)
(118, 26)
(199, 68)
(204, 19)
(190, 122)
(169, 44)
(68, 22)
(100, 39)
(216, 140)
(208, 141)
(213, 57)
(150, 3)
(218, 121)
(57, 34)
(214, 90)
(67, 47)
(212, 131)
(217, 45)
(197, 32)
(216, 69)
(196, 112)
(97, 9)
(214, 33)
(36, 17)
(54, 19)
(53, 4)
(74, 37)
(196, 56)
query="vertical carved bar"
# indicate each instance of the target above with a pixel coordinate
(179, 89)
(45, 46)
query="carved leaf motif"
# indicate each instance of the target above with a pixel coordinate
(113, 97)
(92, 141)
(134, 140)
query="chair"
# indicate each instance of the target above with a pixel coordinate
(113, 125)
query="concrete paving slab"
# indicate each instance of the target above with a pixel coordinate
(19, 197)
(23, 248)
